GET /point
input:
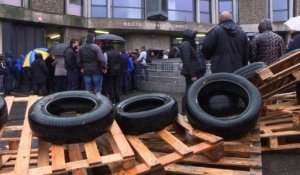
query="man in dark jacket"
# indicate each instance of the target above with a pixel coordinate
(124, 72)
(193, 67)
(71, 65)
(9, 74)
(113, 72)
(267, 46)
(294, 42)
(92, 63)
(226, 45)
(39, 75)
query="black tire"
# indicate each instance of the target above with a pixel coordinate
(3, 112)
(229, 127)
(96, 116)
(249, 70)
(146, 113)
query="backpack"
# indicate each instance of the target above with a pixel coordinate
(148, 60)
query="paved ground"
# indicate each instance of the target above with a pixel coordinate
(274, 163)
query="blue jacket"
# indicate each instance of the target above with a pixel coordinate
(130, 65)
(19, 66)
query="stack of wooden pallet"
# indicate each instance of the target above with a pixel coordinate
(154, 153)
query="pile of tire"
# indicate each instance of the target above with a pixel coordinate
(3, 112)
(224, 104)
(146, 113)
(91, 117)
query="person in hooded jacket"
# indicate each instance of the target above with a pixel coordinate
(39, 75)
(9, 74)
(226, 46)
(267, 46)
(193, 67)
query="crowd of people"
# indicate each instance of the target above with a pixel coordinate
(228, 48)
(101, 69)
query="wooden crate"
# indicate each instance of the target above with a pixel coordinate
(278, 76)
(175, 147)
(26, 154)
(241, 157)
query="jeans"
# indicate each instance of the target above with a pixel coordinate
(113, 88)
(73, 80)
(95, 80)
(188, 83)
(140, 68)
(8, 83)
(124, 82)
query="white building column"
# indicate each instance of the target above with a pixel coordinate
(291, 8)
(197, 11)
(86, 8)
(235, 10)
(1, 51)
(215, 11)
(109, 11)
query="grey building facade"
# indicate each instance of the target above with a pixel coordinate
(27, 24)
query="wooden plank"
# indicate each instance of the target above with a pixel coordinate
(265, 74)
(9, 102)
(145, 154)
(43, 153)
(171, 158)
(92, 153)
(74, 151)
(22, 162)
(58, 158)
(210, 138)
(121, 141)
(280, 134)
(180, 147)
(193, 170)
(70, 166)
(281, 147)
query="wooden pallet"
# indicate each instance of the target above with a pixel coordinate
(26, 154)
(175, 148)
(241, 157)
(280, 127)
(278, 76)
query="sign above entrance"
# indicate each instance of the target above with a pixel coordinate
(154, 25)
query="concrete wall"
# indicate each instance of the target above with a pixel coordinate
(52, 6)
(149, 40)
(251, 12)
(74, 33)
(1, 38)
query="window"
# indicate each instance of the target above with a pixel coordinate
(179, 10)
(225, 5)
(280, 10)
(12, 2)
(205, 11)
(99, 8)
(74, 7)
(231, 6)
(133, 9)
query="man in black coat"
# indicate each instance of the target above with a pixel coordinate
(226, 46)
(193, 67)
(113, 72)
(71, 65)
(39, 75)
